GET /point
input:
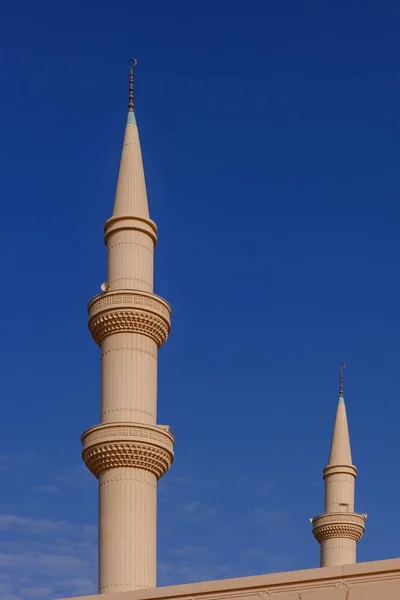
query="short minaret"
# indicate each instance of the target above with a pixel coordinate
(339, 529)
(128, 452)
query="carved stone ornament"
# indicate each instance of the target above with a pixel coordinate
(135, 312)
(120, 445)
(348, 525)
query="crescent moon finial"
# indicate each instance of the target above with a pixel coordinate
(342, 366)
(132, 62)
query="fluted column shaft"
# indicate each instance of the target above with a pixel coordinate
(130, 260)
(338, 551)
(128, 452)
(129, 378)
(339, 492)
(127, 519)
(339, 528)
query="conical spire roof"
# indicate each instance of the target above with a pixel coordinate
(131, 195)
(340, 453)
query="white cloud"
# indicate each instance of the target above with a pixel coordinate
(195, 511)
(49, 554)
(44, 563)
(8, 462)
(74, 476)
(44, 526)
(81, 586)
(184, 573)
(6, 592)
(47, 488)
(270, 516)
(41, 526)
(190, 550)
(37, 592)
(191, 506)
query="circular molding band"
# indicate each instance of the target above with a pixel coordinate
(121, 445)
(124, 311)
(338, 525)
(339, 470)
(115, 224)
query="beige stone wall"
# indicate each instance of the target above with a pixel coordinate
(378, 580)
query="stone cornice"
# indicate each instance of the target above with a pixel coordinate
(128, 445)
(126, 311)
(339, 525)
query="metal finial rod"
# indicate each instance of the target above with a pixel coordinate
(131, 65)
(342, 366)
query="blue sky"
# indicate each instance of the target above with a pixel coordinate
(270, 133)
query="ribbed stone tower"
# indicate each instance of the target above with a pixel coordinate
(339, 529)
(128, 452)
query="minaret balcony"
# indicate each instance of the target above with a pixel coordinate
(339, 525)
(122, 311)
(133, 445)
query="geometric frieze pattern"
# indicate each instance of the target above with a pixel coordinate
(144, 447)
(138, 299)
(124, 430)
(139, 312)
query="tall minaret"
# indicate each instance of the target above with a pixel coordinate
(128, 452)
(339, 529)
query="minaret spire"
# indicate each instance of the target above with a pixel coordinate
(128, 452)
(131, 194)
(339, 529)
(340, 452)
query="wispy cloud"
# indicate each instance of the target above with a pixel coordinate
(47, 488)
(36, 592)
(197, 516)
(250, 487)
(48, 553)
(258, 561)
(275, 516)
(9, 461)
(44, 526)
(77, 475)
(184, 573)
(196, 511)
(219, 487)
(189, 551)
(41, 526)
(44, 563)
(187, 481)
(170, 483)
(81, 586)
